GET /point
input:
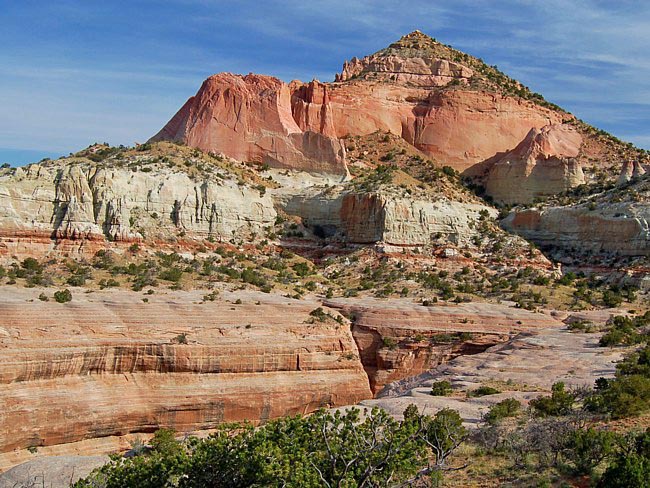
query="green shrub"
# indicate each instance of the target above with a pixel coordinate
(628, 393)
(62, 296)
(559, 403)
(319, 314)
(323, 449)
(181, 338)
(173, 274)
(31, 264)
(509, 407)
(441, 388)
(483, 391)
(302, 269)
(612, 299)
(631, 466)
(588, 448)
(250, 275)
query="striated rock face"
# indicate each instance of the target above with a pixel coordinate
(615, 229)
(399, 339)
(459, 127)
(107, 364)
(515, 367)
(425, 71)
(365, 218)
(544, 163)
(631, 170)
(438, 99)
(83, 201)
(248, 118)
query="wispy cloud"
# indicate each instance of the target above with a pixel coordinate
(72, 72)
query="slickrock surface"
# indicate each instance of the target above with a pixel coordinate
(51, 472)
(398, 338)
(249, 118)
(82, 201)
(522, 368)
(107, 364)
(544, 163)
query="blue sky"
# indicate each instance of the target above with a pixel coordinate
(73, 72)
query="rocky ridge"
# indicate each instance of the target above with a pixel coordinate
(451, 106)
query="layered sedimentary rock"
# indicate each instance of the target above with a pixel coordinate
(398, 339)
(80, 201)
(544, 163)
(455, 127)
(248, 118)
(381, 216)
(107, 364)
(418, 89)
(614, 229)
(513, 367)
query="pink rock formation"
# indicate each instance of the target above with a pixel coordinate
(456, 127)
(107, 364)
(403, 90)
(249, 118)
(544, 163)
(399, 339)
(630, 171)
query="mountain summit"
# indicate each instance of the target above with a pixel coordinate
(453, 107)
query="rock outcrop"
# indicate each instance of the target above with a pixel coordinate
(45, 204)
(381, 216)
(399, 339)
(620, 229)
(106, 364)
(440, 100)
(543, 164)
(513, 367)
(631, 170)
(248, 118)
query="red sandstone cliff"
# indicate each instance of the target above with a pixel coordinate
(447, 109)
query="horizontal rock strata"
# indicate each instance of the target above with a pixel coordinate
(80, 201)
(107, 364)
(398, 339)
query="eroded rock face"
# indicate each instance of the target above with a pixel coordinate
(88, 202)
(544, 163)
(615, 229)
(248, 118)
(367, 218)
(459, 127)
(399, 339)
(513, 366)
(107, 364)
(414, 92)
(631, 170)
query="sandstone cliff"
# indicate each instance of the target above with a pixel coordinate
(398, 339)
(107, 364)
(383, 216)
(451, 106)
(543, 164)
(612, 223)
(249, 118)
(79, 200)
